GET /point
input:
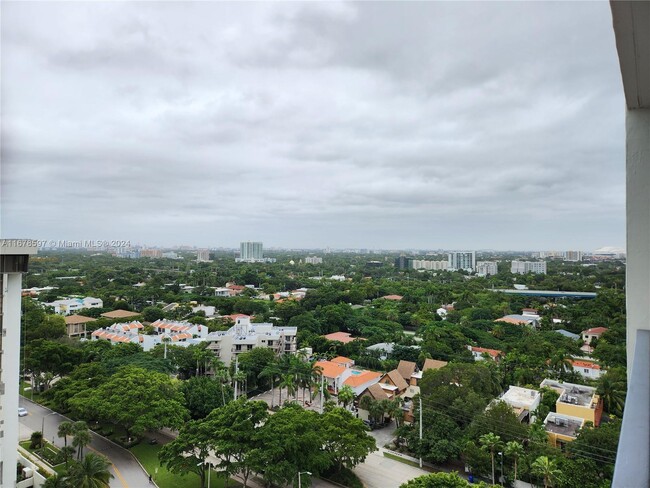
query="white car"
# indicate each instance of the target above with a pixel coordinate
(22, 411)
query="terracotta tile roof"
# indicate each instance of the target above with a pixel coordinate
(393, 297)
(406, 369)
(172, 326)
(182, 336)
(329, 369)
(579, 363)
(128, 326)
(120, 314)
(376, 392)
(359, 379)
(396, 379)
(511, 320)
(78, 319)
(236, 316)
(595, 330)
(492, 352)
(433, 364)
(342, 360)
(236, 287)
(343, 337)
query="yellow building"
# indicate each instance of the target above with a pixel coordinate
(562, 428)
(576, 400)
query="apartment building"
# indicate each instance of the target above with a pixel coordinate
(76, 325)
(465, 260)
(203, 256)
(523, 267)
(244, 336)
(562, 428)
(486, 268)
(429, 265)
(14, 259)
(313, 260)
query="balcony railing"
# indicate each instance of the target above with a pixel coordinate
(632, 467)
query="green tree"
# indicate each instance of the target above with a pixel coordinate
(188, 451)
(135, 399)
(612, 387)
(81, 437)
(203, 394)
(514, 450)
(346, 438)
(233, 429)
(440, 480)
(36, 440)
(491, 442)
(151, 314)
(91, 472)
(65, 429)
(545, 468)
(57, 481)
(346, 396)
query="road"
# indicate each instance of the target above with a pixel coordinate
(125, 469)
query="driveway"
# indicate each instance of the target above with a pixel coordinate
(125, 469)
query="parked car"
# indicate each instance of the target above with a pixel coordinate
(22, 411)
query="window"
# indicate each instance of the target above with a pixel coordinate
(585, 370)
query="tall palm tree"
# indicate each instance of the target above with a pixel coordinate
(561, 364)
(65, 429)
(611, 388)
(270, 372)
(80, 437)
(546, 468)
(288, 381)
(346, 395)
(223, 377)
(91, 472)
(515, 450)
(491, 442)
(396, 411)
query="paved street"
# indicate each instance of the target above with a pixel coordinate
(125, 469)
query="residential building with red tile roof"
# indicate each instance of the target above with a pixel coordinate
(334, 374)
(593, 333)
(360, 380)
(120, 314)
(478, 352)
(433, 364)
(393, 383)
(347, 362)
(586, 368)
(343, 337)
(395, 298)
(515, 319)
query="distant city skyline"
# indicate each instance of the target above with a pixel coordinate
(295, 124)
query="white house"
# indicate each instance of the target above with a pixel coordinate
(588, 369)
(523, 401)
(73, 305)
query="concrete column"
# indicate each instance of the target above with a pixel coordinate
(638, 226)
(11, 303)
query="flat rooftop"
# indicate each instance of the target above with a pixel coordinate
(563, 424)
(571, 393)
(517, 396)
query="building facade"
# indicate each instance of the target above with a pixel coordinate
(429, 265)
(465, 260)
(523, 267)
(486, 268)
(203, 256)
(313, 260)
(244, 336)
(14, 258)
(73, 305)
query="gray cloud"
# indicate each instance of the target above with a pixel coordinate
(311, 124)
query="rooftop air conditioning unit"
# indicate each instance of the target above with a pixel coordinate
(558, 421)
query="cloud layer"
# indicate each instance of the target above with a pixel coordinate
(385, 125)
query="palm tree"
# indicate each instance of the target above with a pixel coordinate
(561, 364)
(80, 437)
(611, 388)
(91, 472)
(396, 411)
(223, 377)
(491, 442)
(57, 481)
(270, 371)
(546, 468)
(515, 450)
(346, 395)
(65, 429)
(288, 381)
(68, 453)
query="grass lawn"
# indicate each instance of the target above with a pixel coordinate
(147, 454)
(47, 456)
(37, 397)
(402, 460)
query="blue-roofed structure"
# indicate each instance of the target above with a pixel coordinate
(568, 334)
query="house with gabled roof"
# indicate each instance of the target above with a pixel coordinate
(479, 353)
(586, 368)
(360, 380)
(593, 333)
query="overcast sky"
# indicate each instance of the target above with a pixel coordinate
(378, 125)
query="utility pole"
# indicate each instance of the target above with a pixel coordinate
(322, 388)
(420, 427)
(236, 371)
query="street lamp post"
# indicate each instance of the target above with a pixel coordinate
(299, 480)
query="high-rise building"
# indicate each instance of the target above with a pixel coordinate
(486, 268)
(573, 256)
(462, 260)
(14, 257)
(313, 260)
(402, 262)
(203, 256)
(429, 265)
(523, 267)
(250, 252)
